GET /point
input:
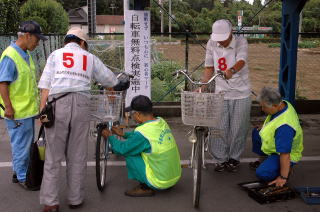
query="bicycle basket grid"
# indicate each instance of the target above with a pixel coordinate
(201, 109)
(105, 105)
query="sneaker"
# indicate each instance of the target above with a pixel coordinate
(140, 191)
(233, 165)
(14, 178)
(254, 165)
(53, 208)
(220, 167)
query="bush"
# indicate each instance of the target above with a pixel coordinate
(9, 16)
(48, 13)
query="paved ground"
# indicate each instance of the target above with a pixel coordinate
(219, 190)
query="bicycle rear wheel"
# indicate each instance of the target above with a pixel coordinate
(101, 159)
(196, 168)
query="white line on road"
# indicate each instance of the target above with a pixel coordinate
(183, 162)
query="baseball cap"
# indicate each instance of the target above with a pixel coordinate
(221, 30)
(76, 31)
(140, 103)
(33, 28)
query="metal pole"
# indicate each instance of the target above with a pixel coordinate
(300, 27)
(170, 15)
(161, 22)
(187, 58)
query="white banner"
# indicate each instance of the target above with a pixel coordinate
(137, 52)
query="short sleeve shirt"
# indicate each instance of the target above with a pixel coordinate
(221, 58)
(72, 69)
(8, 70)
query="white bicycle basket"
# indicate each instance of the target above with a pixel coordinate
(201, 109)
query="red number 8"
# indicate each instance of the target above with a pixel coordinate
(222, 64)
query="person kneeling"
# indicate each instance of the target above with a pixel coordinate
(280, 139)
(150, 151)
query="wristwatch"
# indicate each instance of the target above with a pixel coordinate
(233, 71)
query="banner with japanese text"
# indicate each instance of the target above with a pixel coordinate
(137, 52)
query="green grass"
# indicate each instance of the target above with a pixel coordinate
(304, 44)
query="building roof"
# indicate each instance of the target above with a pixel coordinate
(78, 16)
(110, 20)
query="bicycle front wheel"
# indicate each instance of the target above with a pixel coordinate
(196, 169)
(101, 160)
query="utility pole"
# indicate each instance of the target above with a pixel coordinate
(300, 27)
(92, 16)
(113, 7)
(170, 15)
(161, 11)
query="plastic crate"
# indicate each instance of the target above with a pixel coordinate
(310, 195)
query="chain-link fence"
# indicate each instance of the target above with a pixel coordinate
(170, 52)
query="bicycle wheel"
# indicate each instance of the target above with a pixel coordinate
(101, 160)
(196, 168)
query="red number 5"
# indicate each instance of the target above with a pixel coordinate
(68, 57)
(222, 64)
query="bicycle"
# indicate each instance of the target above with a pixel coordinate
(106, 109)
(202, 111)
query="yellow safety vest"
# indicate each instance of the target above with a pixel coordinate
(267, 133)
(163, 168)
(23, 91)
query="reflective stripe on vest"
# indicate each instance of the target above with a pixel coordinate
(267, 133)
(163, 168)
(23, 91)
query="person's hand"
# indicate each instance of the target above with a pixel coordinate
(118, 130)
(228, 74)
(106, 133)
(9, 112)
(279, 182)
(200, 89)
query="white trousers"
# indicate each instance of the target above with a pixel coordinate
(67, 139)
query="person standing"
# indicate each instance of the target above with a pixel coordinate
(228, 53)
(69, 70)
(19, 96)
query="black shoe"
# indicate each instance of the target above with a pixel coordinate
(254, 165)
(14, 178)
(233, 165)
(28, 188)
(75, 206)
(220, 167)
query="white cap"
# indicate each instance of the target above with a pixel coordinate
(221, 30)
(78, 32)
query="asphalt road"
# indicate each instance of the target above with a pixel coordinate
(219, 191)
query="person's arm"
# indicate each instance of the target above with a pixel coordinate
(44, 97)
(282, 179)
(4, 92)
(8, 74)
(283, 138)
(102, 74)
(134, 144)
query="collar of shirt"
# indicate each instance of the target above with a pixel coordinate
(232, 44)
(72, 45)
(279, 112)
(22, 53)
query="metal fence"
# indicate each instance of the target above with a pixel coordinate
(187, 50)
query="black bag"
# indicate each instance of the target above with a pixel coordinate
(35, 166)
(47, 113)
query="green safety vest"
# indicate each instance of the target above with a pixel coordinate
(267, 133)
(163, 168)
(23, 91)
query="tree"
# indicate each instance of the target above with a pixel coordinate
(48, 13)
(9, 16)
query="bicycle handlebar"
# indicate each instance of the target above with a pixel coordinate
(218, 74)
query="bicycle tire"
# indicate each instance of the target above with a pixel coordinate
(196, 169)
(101, 160)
